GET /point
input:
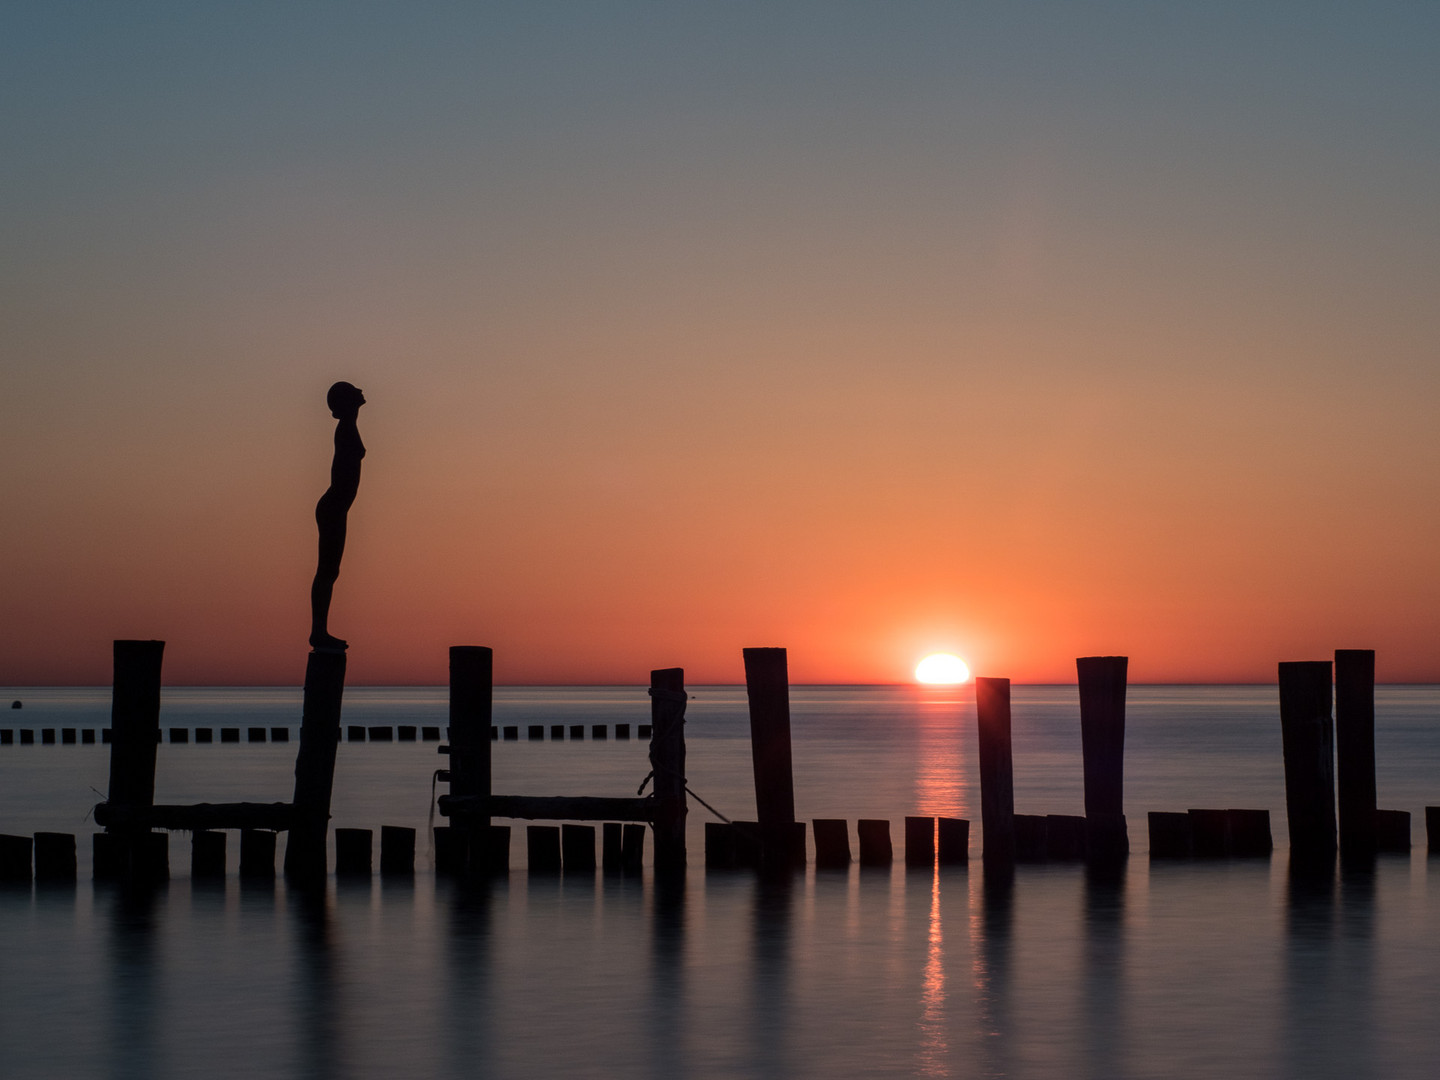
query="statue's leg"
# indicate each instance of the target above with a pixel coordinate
(330, 517)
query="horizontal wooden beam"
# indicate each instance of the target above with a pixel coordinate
(551, 808)
(197, 817)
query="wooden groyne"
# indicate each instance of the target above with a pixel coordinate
(1328, 748)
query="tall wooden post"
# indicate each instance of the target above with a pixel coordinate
(134, 733)
(1309, 742)
(667, 760)
(472, 680)
(1355, 748)
(767, 685)
(997, 784)
(305, 851)
(1102, 744)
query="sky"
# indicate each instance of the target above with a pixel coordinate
(1023, 331)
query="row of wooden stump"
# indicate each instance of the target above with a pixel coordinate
(353, 733)
(1196, 833)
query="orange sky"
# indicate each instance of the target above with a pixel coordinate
(686, 338)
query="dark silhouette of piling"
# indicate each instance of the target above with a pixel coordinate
(632, 848)
(719, 845)
(397, 851)
(1030, 845)
(1355, 750)
(1249, 833)
(511, 732)
(255, 734)
(997, 785)
(1392, 831)
(55, 857)
(1432, 830)
(557, 732)
(207, 854)
(403, 733)
(954, 841)
(135, 732)
(667, 763)
(543, 848)
(767, 686)
(920, 841)
(612, 834)
(1102, 743)
(179, 735)
(535, 732)
(202, 735)
(87, 736)
(577, 732)
(382, 733)
(306, 849)
(354, 852)
(471, 701)
(875, 846)
(1169, 835)
(832, 843)
(67, 736)
(1209, 833)
(1309, 743)
(353, 733)
(1067, 837)
(577, 846)
(15, 858)
(257, 854)
(231, 734)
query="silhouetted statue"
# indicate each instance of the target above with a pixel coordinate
(344, 401)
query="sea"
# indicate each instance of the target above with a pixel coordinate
(1221, 968)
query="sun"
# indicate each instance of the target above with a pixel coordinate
(942, 669)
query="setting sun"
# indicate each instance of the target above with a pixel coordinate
(942, 669)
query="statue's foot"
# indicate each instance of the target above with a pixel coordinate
(327, 643)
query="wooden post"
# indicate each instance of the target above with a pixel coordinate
(1248, 832)
(767, 685)
(667, 762)
(1066, 837)
(472, 672)
(257, 854)
(135, 732)
(306, 851)
(611, 845)
(1309, 743)
(997, 785)
(875, 847)
(577, 845)
(55, 856)
(207, 854)
(1102, 744)
(15, 858)
(954, 845)
(632, 848)
(354, 852)
(543, 848)
(1355, 749)
(397, 851)
(1432, 830)
(1169, 835)
(832, 843)
(920, 842)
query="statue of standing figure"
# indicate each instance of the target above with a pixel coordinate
(330, 512)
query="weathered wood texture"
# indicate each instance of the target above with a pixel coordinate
(1355, 749)
(305, 851)
(667, 761)
(997, 785)
(1308, 736)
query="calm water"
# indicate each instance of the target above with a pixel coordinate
(1228, 969)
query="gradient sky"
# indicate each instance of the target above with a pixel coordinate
(1024, 331)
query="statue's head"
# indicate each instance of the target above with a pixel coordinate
(344, 400)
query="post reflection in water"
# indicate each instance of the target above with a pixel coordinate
(990, 927)
(1103, 1005)
(770, 958)
(667, 955)
(932, 1056)
(468, 944)
(134, 992)
(1329, 957)
(317, 1015)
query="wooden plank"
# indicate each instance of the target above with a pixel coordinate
(1102, 744)
(767, 687)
